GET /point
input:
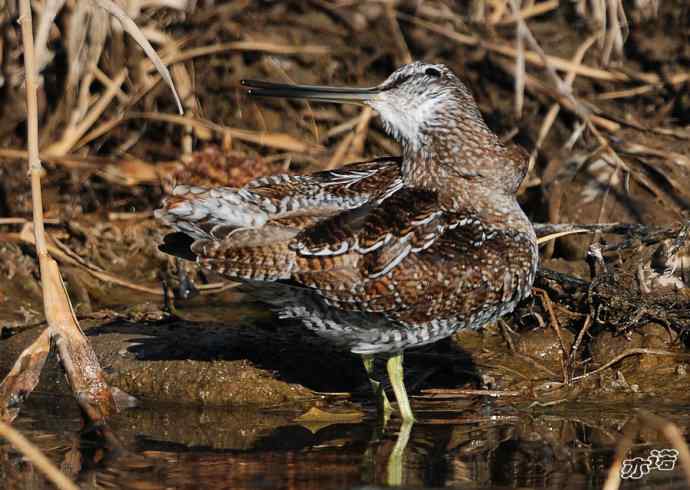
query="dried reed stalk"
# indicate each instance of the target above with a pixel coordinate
(24, 376)
(33, 454)
(642, 419)
(77, 357)
(133, 30)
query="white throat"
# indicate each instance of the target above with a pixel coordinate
(405, 121)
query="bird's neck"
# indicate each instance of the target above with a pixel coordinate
(446, 147)
(470, 170)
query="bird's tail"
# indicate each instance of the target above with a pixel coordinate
(226, 230)
(269, 262)
(208, 213)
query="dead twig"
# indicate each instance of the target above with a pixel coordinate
(642, 233)
(546, 301)
(280, 141)
(506, 331)
(536, 86)
(74, 133)
(70, 161)
(616, 30)
(563, 88)
(340, 152)
(520, 35)
(131, 27)
(464, 393)
(630, 352)
(676, 79)
(529, 11)
(264, 47)
(555, 108)
(404, 56)
(45, 22)
(68, 257)
(23, 221)
(341, 128)
(578, 341)
(554, 236)
(530, 56)
(361, 132)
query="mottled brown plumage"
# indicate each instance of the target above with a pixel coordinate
(428, 243)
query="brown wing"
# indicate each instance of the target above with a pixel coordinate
(335, 252)
(349, 257)
(450, 263)
(345, 188)
(469, 270)
(245, 232)
(367, 229)
(214, 213)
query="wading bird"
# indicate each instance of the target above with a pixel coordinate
(426, 243)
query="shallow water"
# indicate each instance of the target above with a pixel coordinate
(458, 445)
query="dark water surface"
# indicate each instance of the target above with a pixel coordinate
(460, 445)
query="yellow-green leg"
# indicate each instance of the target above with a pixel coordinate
(395, 374)
(382, 402)
(396, 466)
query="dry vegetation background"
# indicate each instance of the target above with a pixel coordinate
(596, 91)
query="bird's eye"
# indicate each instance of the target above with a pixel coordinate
(432, 72)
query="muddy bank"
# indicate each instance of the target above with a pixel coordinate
(256, 361)
(175, 362)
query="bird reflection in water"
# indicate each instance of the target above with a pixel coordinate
(341, 328)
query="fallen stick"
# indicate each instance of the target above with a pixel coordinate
(646, 234)
(631, 352)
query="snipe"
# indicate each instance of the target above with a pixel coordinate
(430, 242)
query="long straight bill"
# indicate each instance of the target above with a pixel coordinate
(320, 93)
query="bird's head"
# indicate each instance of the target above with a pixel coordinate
(415, 98)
